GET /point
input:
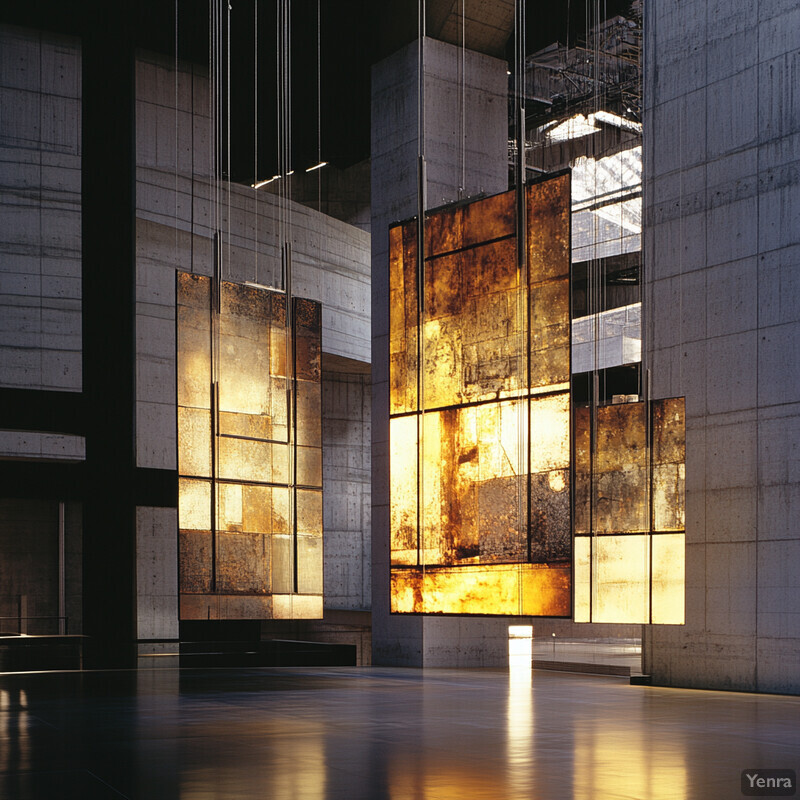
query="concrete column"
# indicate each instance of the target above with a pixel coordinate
(456, 168)
(722, 256)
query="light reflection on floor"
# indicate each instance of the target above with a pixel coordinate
(402, 734)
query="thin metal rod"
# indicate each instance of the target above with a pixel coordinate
(62, 577)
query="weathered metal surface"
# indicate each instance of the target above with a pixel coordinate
(243, 563)
(548, 227)
(620, 470)
(581, 469)
(403, 318)
(195, 561)
(485, 453)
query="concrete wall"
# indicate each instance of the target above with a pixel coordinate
(346, 504)
(426, 641)
(722, 254)
(40, 215)
(30, 565)
(156, 573)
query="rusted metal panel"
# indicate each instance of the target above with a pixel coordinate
(550, 333)
(309, 564)
(669, 458)
(490, 218)
(308, 463)
(194, 504)
(620, 470)
(194, 564)
(444, 231)
(582, 466)
(309, 413)
(308, 344)
(243, 563)
(548, 228)
(193, 341)
(474, 343)
(403, 317)
(480, 479)
(668, 578)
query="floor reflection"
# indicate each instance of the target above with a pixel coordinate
(373, 733)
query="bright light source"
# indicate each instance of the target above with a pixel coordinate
(618, 122)
(317, 166)
(259, 184)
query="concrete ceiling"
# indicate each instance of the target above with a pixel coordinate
(486, 27)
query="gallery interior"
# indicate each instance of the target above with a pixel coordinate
(382, 352)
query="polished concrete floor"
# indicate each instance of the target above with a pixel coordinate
(403, 734)
(625, 653)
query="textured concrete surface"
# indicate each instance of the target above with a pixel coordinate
(346, 505)
(157, 573)
(722, 253)
(40, 215)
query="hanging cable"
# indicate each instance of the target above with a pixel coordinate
(255, 141)
(319, 108)
(421, 204)
(229, 7)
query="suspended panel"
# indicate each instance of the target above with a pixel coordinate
(629, 513)
(249, 453)
(480, 427)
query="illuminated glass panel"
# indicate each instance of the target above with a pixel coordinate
(629, 513)
(507, 589)
(582, 469)
(668, 579)
(582, 577)
(249, 453)
(619, 470)
(620, 585)
(480, 411)
(669, 457)
(403, 318)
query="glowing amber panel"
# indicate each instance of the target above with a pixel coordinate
(504, 589)
(632, 485)
(403, 318)
(547, 207)
(668, 578)
(249, 453)
(480, 427)
(582, 579)
(621, 578)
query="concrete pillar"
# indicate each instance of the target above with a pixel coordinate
(722, 256)
(456, 167)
